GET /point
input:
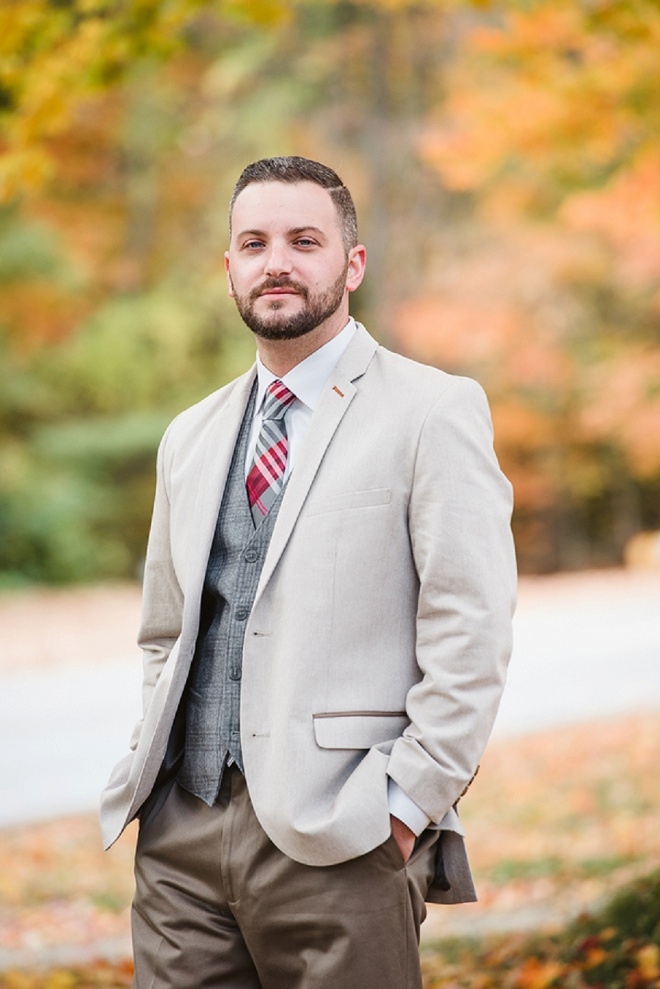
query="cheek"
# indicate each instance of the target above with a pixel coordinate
(321, 281)
(241, 280)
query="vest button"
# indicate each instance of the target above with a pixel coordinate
(251, 555)
(234, 673)
(241, 614)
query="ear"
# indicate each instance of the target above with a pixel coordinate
(357, 262)
(231, 287)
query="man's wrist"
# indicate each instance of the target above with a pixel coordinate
(405, 809)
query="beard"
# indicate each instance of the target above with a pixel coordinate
(276, 325)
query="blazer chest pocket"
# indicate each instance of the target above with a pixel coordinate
(358, 729)
(349, 499)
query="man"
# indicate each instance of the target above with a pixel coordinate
(326, 626)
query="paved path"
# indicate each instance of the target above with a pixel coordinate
(586, 645)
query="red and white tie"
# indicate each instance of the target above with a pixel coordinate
(266, 475)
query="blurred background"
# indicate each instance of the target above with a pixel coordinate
(505, 162)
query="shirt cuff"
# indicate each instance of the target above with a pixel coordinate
(405, 808)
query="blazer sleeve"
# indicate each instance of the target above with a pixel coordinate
(162, 597)
(459, 522)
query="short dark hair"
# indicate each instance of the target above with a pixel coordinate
(295, 169)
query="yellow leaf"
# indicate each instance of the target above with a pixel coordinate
(648, 960)
(594, 957)
(536, 974)
(61, 980)
(18, 980)
(23, 171)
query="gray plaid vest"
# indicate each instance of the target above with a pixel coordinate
(213, 699)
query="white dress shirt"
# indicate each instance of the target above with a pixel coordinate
(306, 380)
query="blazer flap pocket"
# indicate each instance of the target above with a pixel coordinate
(349, 499)
(358, 729)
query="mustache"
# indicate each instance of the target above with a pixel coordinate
(271, 283)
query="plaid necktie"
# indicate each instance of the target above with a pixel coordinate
(266, 475)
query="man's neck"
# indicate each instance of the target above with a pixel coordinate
(280, 356)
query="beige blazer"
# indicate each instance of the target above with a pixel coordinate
(381, 629)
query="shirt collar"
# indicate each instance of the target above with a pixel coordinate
(307, 379)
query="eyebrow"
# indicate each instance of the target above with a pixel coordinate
(293, 231)
(307, 229)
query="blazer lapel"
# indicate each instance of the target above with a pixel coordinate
(337, 395)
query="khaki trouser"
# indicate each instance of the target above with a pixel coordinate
(218, 905)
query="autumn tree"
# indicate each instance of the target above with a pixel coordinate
(504, 161)
(551, 133)
(123, 128)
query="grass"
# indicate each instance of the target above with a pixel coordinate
(616, 947)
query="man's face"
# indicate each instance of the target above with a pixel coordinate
(287, 267)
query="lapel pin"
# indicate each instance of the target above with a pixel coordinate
(340, 393)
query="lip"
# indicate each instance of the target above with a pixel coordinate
(278, 291)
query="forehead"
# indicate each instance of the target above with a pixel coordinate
(280, 206)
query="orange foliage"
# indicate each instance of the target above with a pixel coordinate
(537, 974)
(626, 212)
(457, 332)
(625, 403)
(41, 313)
(551, 125)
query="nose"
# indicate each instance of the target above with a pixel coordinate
(277, 262)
